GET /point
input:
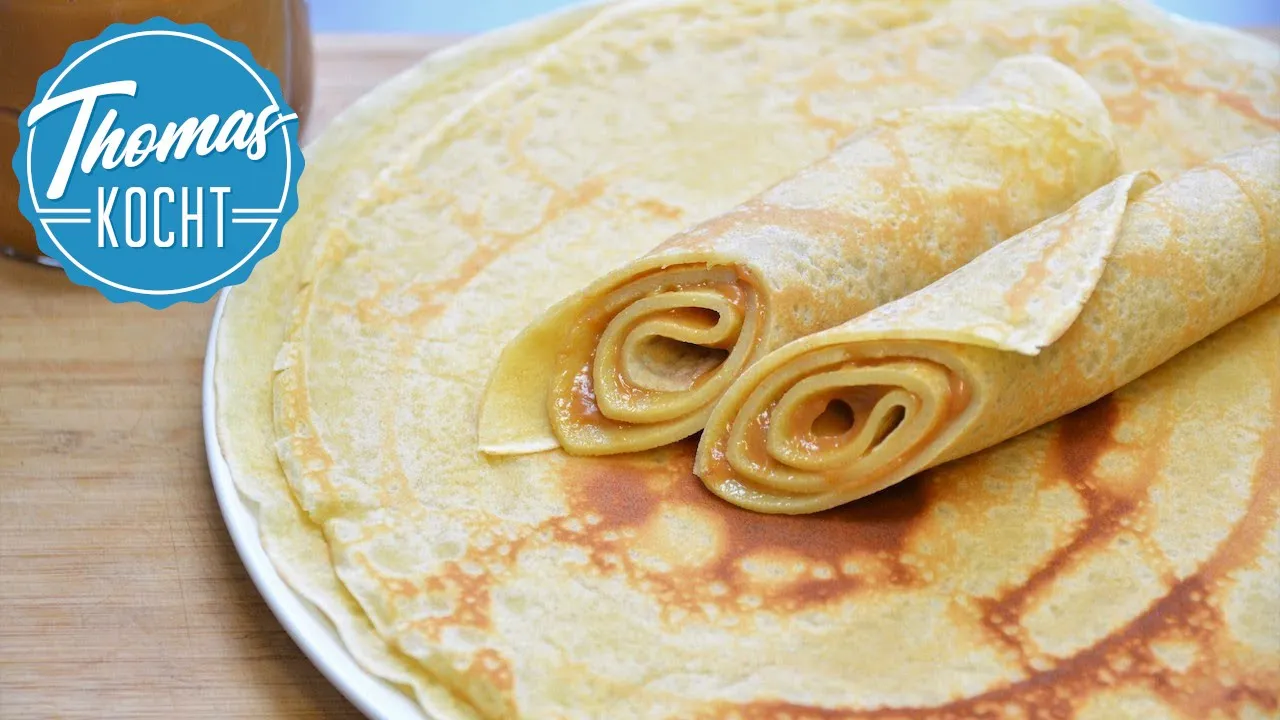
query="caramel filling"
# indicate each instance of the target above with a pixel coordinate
(659, 348)
(836, 420)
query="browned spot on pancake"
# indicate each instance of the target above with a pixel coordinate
(464, 586)
(660, 209)
(620, 495)
(1214, 684)
(1083, 437)
(1122, 660)
(494, 668)
(623, 494)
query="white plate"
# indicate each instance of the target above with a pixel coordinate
(307, 626)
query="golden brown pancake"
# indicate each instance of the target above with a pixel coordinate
(1117, 563)
(1029, 331)
(637, 359)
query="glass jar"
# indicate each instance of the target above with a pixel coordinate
(35, 35)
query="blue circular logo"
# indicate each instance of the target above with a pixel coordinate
(158, 163)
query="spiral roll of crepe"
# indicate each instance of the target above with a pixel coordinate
(1043, 324)
(638, 359)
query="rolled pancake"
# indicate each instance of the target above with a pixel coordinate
(1045, 323)
(1133, 569)
(637, 359)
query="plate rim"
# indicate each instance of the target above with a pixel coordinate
(306, 625)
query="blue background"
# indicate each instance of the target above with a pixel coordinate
(468, 16)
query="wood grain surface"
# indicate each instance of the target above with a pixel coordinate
(121, 595)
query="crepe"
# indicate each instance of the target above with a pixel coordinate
(1041, 325)
(638, 358)
(354, 146)
(1122, 562)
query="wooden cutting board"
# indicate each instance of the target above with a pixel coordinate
(120, 592)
